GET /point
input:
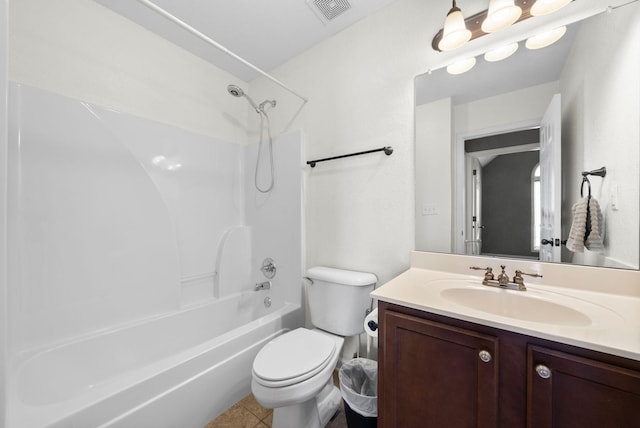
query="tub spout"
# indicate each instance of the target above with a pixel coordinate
(263, 286)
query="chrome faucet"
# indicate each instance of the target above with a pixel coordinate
(503, 279)
(262, 286)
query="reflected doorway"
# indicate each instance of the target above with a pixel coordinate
(502, 184)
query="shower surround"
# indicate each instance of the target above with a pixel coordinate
(134, 249)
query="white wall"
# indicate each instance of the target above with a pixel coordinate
(85, 51)
(275, 218)
(4, 21)
(434, 127)
(504, 109)
(601, 127)
(359, 211)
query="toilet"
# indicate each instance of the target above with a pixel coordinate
(292, 374)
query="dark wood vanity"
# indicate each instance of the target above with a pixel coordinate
(437, 371)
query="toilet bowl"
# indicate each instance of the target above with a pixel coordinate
(293, 373)
(294, 369)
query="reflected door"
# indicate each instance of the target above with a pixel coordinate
(550, 186)
(474, 245)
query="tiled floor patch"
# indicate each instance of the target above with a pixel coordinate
(248, 413)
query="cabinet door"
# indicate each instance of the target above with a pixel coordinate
(567, 391)
(435, 375)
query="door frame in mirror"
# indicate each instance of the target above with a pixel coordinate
(459, 173)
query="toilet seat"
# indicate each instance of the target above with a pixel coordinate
(293, 358)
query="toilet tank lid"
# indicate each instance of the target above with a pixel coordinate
(341, 276)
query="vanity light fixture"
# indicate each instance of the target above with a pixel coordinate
(544, 7)
(501, 53)
(461, 66)
(545, 39)
(501, 14)
(454, 33)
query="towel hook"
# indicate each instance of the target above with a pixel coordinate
(585, 180)
(600, 172)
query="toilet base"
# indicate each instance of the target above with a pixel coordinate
(313, 413)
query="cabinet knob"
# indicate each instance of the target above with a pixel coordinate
(543, 371)
(485, 356)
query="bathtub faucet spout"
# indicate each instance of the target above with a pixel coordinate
(263, 286)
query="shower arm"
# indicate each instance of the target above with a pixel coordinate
(218, 46)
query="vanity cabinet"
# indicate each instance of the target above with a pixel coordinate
(436, 371)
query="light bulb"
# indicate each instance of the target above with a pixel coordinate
(461, 66)
(501, 14)
(501, 53)
(455, 33)
(543, 7)
(545, 39)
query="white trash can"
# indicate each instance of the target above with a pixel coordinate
(359, 389)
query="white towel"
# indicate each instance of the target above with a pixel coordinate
(586, 230)
(594, 240)
(575, 242)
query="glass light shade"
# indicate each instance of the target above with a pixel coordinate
(545, 39)
(461, 66)
(543, 7)
(501, 14)
(501, 53)
(455, 33)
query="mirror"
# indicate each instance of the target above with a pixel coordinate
(504, 150)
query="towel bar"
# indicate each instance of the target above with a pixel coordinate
(387, 151)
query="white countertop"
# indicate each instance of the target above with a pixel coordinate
(613, 324)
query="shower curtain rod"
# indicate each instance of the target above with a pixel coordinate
(218, 46)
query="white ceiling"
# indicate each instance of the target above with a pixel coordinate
(264, 32)
(267, 33)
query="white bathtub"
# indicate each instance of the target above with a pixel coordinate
(179, 370)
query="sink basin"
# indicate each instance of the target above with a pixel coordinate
(521, 305)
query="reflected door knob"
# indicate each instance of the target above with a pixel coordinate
(547, 242)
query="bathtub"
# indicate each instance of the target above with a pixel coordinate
(179, 370)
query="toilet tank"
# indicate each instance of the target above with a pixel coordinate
(339, 299)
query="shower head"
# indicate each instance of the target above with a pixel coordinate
(270, 103)
(234, 90)
(237, 91)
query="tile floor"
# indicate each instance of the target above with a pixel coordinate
(248, 413)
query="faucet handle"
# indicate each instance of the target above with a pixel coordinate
(488, 274)
(519, 274)
(518, 279)
(268, 268)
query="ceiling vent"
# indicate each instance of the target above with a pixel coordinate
(328, 10)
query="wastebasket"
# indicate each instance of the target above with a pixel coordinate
(359, 389)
